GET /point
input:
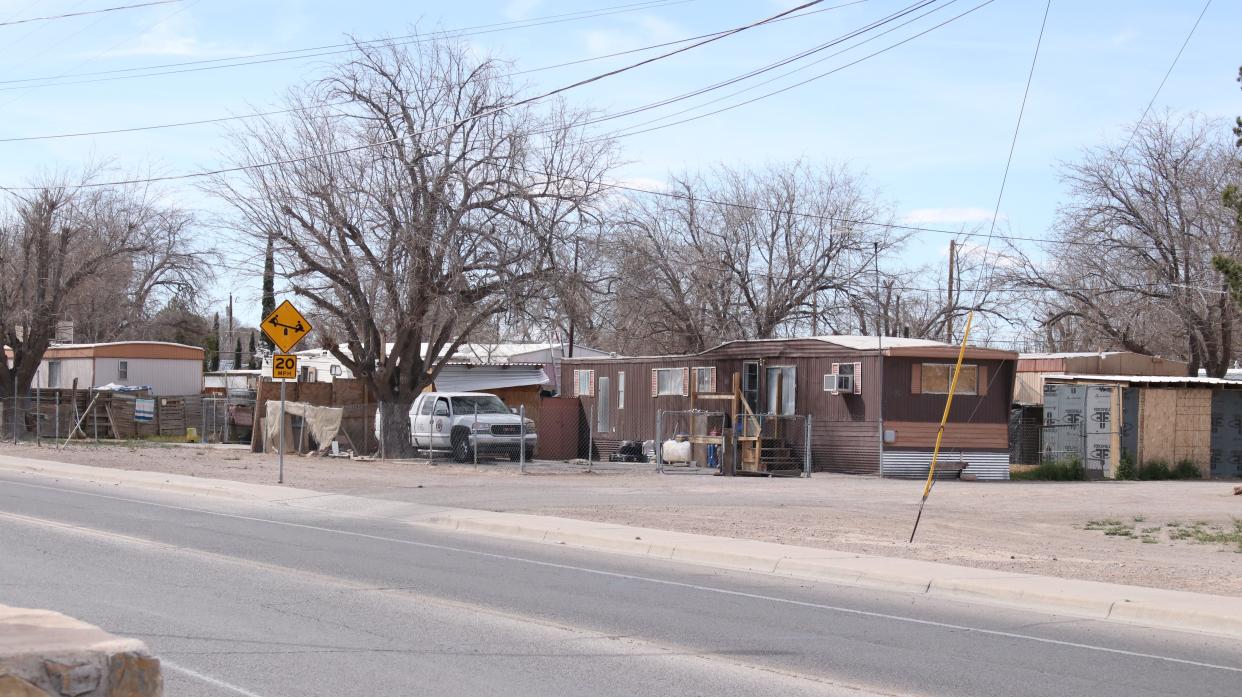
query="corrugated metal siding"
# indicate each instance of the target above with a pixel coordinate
(901, 405)
(81, 368)
(848, 447)
(913, 464)
(165, 377)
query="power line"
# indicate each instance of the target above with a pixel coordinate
(432, 129)
(222, 119)
(772, 66)
(1013, 143)
(330, 49)
(626, 130)
(102, 10)
(627, 134)
(1165, 79)
(184, 8)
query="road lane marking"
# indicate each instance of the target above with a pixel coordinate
(659, 649)
(675, 584)
(209, 680)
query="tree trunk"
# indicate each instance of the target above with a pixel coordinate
(394, 427)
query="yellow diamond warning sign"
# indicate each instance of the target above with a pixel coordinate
(285, 327)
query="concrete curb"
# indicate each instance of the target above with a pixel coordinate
(1170, 609)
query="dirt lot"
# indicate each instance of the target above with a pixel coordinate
(1179, 535)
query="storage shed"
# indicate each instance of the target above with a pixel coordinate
(875, 402)
(1102, 418)
(166, 368)
(1034, 367)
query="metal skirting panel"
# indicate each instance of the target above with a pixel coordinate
(913, 464)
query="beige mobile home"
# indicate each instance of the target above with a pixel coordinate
(168, 369)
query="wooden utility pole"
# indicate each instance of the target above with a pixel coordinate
(571, 316)
(949, 304)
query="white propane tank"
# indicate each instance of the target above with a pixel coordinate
(675, 451)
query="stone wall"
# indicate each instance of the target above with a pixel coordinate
(46, 654)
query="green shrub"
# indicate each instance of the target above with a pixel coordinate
(1186, 469)
(1158, 470)
(1126, 468)
(1154, 470)
(1056, 471)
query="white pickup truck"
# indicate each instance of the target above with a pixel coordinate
(468, 422)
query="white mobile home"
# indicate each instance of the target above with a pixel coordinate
(168, 369)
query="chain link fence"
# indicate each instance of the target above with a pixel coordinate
(701, 442)
(33, 417)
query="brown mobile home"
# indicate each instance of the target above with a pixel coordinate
(879, 417)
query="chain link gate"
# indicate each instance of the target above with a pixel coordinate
(773, 445)
(695, 442)
(690, 442)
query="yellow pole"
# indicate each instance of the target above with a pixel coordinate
(944, 419)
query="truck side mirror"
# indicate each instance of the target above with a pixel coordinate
(512, 410)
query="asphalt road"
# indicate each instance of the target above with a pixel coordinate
(268, 600)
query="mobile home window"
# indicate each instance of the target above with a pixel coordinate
(621, 390)
(122, 370)
(936, 378)
(53, 374)
(845, 377)
(786, 377)
(670, 381)
(583, 383)
(705, 380)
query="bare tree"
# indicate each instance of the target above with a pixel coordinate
(1131, 266)
(426, 201)
(67, 247)
(742, 254)
(920, 301)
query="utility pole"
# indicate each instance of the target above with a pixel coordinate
(949, 304)
(815, 313)
(230, 340)
(880, 320)
(571, 317)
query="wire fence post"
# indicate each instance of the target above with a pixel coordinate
(522, 442)
(58, 419)
(38, 418)
(474, 436)
(13, 374)
(431, 425)
(95, 416)
(806, 456)
(659, 441)
(591, 434)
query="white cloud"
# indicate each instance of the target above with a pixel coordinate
(172, 37)
(643, 30)
(1123, 37)
(947, 216)
(518, 10)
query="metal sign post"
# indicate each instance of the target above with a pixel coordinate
(280, 457)
(285, 327)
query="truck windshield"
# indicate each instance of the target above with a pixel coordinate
(487, 404)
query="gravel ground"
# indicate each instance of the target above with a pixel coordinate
(1050, 528)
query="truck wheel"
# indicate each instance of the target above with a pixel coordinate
(461, 447)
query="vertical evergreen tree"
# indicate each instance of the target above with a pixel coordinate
(237, 364)
(254, 359)
(269, 285)
(213, 345)
(1228, 266)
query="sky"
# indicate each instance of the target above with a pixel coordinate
(928, 122)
